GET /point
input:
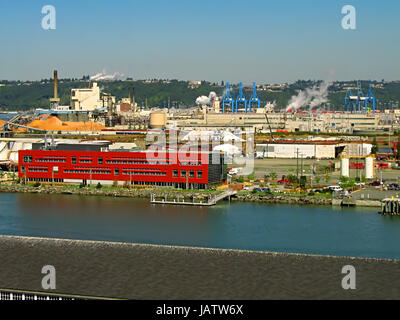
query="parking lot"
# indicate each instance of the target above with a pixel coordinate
(284, 167)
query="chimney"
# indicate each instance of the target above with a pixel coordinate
(55, 85)
(133, 96)
(55, 98)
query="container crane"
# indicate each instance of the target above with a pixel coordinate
(228, 99)
(241, 98)
(254, 98)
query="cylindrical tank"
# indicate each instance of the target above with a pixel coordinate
(369, 167)
(158, 120)
(344, 167)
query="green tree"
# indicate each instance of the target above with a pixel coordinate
(273, 175)
(363, 178)
(327, 177)
(374, 148)
(251, 176)
(292, 178)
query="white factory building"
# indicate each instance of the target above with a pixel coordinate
(311, 150)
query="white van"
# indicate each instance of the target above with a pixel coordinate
(335, 188)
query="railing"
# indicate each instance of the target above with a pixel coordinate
(6, 295)
(212, 200)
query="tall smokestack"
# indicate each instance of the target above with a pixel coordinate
(133, 96)
(55, 98)
(55, 85)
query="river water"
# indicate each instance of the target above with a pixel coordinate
(357, 232)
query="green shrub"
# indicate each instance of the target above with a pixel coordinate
(98, 185)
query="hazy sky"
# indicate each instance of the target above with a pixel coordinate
(230, 40)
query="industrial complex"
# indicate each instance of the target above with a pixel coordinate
(98, 138)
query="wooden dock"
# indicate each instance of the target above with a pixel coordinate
(212, 200)
(390, 206)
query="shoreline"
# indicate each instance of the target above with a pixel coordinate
(169, 193)
(187, 195)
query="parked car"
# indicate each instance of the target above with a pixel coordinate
(393, 186)
(335, 188)
(375, 183)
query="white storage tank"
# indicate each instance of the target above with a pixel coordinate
(344, 167)
(158, 120)
(369, 167)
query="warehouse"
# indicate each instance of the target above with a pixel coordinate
(293, 150)
(93, 162)
(311, 149)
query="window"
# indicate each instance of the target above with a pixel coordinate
(183, 173)
(22, 169)
(175, 173)
(73, 160)
(116, 172)
(199, 174)
(191, 174)
(100, 161)
(27, 159)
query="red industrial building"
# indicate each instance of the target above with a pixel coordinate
(92, 162)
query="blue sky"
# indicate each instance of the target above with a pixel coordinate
(260, 40)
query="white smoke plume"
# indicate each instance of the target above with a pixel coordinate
(311, 97)
(204, 100)
(270, 106)
(104, 76)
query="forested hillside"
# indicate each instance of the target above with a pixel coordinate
(19, 95)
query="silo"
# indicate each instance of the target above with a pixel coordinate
(369, 167)
(158, 120)
(344, 167)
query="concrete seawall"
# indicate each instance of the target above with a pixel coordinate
(137, 271)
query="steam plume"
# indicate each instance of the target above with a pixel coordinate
(104, 76)
(204, 100)
(311, 97)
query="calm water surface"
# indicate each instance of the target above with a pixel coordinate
(302, 229)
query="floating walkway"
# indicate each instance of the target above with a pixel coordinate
(390, 206)
(212, 200)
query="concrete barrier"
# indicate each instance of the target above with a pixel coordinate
(139, 271)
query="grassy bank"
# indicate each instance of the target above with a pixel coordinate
(145, 193)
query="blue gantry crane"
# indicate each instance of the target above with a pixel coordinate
(227, 98)
(353, 103)
(349, 101)
(254, 98)
(241, 98)
(370, 99)
(360, 95)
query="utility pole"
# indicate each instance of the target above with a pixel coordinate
(297, 165)
(301, 173)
